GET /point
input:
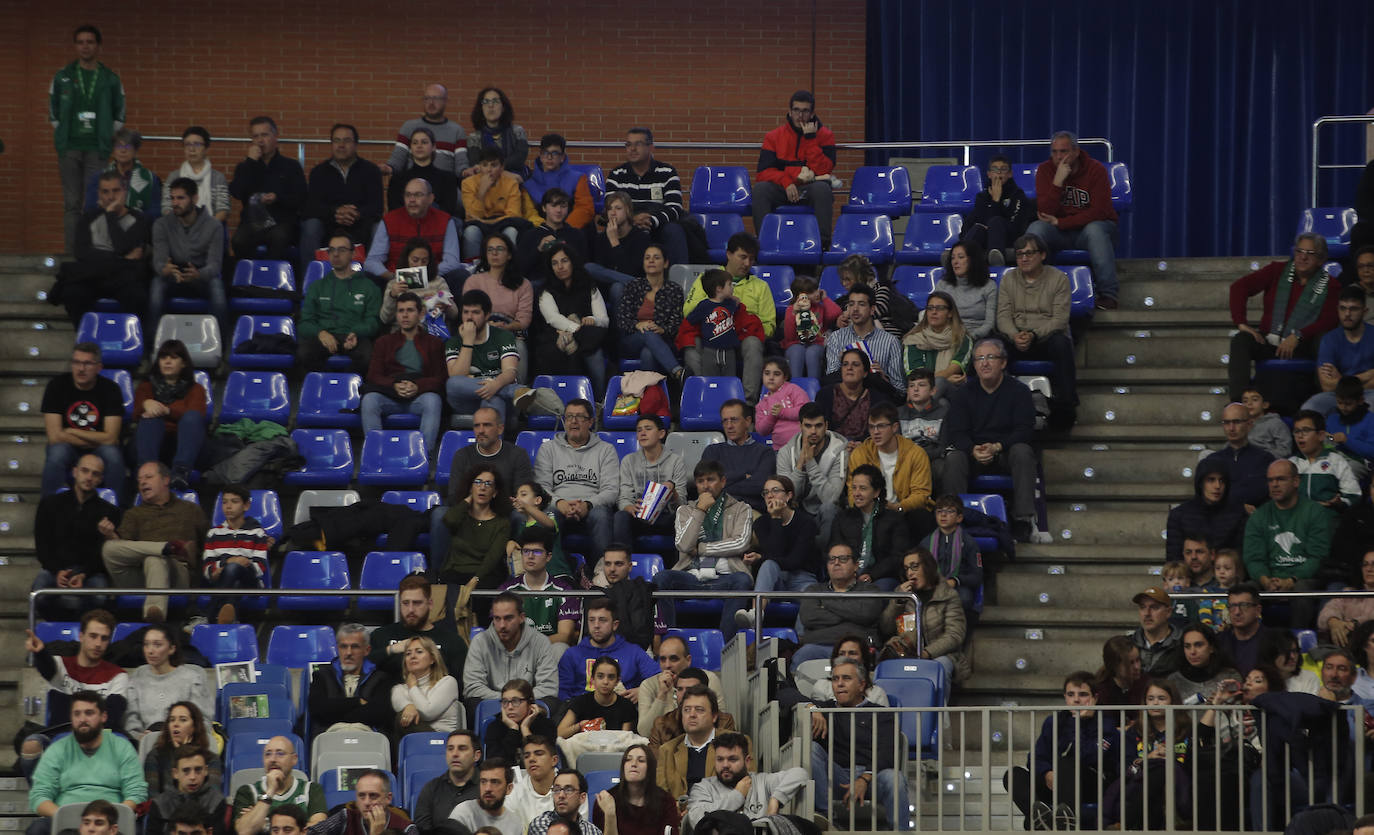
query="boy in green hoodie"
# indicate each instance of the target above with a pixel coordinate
(340, 314)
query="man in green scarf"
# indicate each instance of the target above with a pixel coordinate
(711, 535)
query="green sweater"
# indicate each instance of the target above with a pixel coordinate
(67, 99)
(1287, 543)
(478, 547)
(341, 307)
(67, 774)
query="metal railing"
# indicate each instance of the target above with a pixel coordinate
(1317, 165)
(203, 591)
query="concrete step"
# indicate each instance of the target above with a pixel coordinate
(1067, 617)
(38, 349)
(1226, 269)
(1117, 466)
(1146, 348)
(1148, 408)
(1155, 316)
(1134, 377)
(1048, 656)
(1014, 685)
(1075, 557)
(1075, 589)
(1112, 433)
(1108, 524)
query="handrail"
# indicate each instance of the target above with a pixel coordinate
(200, 590)
(965, 145)
(1317, 125)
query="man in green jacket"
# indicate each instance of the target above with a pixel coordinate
(85, 107)
(1287, 539)
(90, 764)
(340, 314)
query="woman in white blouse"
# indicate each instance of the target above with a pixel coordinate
(428, 699)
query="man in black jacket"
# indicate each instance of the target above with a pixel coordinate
(1001, 212)
(272, 190)
(68, 532)
(352, 691)
(111, 242)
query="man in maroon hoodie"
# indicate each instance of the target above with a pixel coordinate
(1073, 201)
(795, 165)
(406, 373)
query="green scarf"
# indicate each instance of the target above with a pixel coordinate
(712, 527)
(866, 548)
(1309, 305)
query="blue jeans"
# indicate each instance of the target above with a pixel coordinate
(625, 527)
(889, 787)
(807, 360)
(190, 434)
(655, 352)
(377, 406)
(475, 231)
(613, 283)
(163, 287)
(461, 393)
(598, 525)
(68, 606)
(673, 239)
(57, 466)
(771, 577)
(233, 576)
(1098, 238)
(734, 581)
(1325, 402)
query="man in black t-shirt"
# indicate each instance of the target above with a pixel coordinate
(82, 412)
(69, 530)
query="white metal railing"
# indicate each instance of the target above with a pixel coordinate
(1317, 165)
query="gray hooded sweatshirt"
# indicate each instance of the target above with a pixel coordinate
(589, 473)
(490, 665)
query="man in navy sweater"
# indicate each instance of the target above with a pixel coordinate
(748, 462)
(990, 426)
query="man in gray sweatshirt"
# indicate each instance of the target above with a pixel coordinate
(188, 256)
(582, 474)
(734, 789)
(508, 650)
(450, 140)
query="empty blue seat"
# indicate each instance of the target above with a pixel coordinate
(1332, 223)
(531, 440)
(602, 780)
(922, 730)
(264, 505)
(779, 279)
(204, 380)
(1081, 295)
(624, 442)
(620, 422)
(596, 183)
(719, 228)
(248, 327)
(830, 283)
(721, 188)
(705, 645)
(928, 236)
(880, 189)
(419, 770)
(916, 283)
(49, 631)
(950, 188)
(329, 399)
(992, 504)
(645, 566)
(1024, 175)
(702, 398)
(861, 234)
(328, 455)
(810, 385)
(278, 704)
(421, 500)
(121, 377)
(300, 646)
(567, 387)
(119, 336)
(452, 441)
(393, 458)
(385, 570)
(1123, 196)
(221, 644)
(257, 395)
(790, 239)
(314, 570)
(267, 277)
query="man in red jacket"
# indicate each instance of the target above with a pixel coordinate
(795, 165)
(406, 373)
(1073, 199)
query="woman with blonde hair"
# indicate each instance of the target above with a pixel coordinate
(939, 343)
(427, 700)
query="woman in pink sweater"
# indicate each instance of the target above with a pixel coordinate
(512, 295)
(776, 413)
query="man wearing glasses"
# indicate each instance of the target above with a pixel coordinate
(418, 218)
(1242, 641)
(1073, 200)
(795, 165)
(557, 618)
(340, 313)
(345, 194)
(656, 191)
(826, 620)
(1033, 318)
(1001, 212)
(82, 413)
(1300, 304)
(990, 426)
(1243, 462)
(450, 140)
(904, 464)
(582, 474)
(551, 170)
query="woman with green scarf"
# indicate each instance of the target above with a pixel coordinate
(879, 536)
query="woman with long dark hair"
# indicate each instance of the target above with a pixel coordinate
(184, 724)
(162, 681)
(968, 282)
(493, 126)
(572, 321)
(649, 315)
(636, 805)
(1205, 666)
(1148, 748)
(1119, 681)
(877, 535)
(939, 343)
(171, 401)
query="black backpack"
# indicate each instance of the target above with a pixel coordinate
(901, 311)
(634, 606)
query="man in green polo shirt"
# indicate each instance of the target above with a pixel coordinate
(85, 108)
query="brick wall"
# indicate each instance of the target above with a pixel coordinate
(700, 70)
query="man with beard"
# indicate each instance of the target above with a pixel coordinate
(734, 789)
(389, 641)
(494, 779)
(353, 694)
(188, 254)
(569, 801)
(90, 764)
(458, 783)
(370, 812)
(257, 802)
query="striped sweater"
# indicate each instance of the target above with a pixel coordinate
(223, 542)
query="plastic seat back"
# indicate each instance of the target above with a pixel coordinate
(199, 332)
(274, 277)
(221, 644)
(1332, 223)
(249, 326)
(530, 440)
(645, 566)
(916, 283)
(1081, 295)
(300, 646)
(928, 236)
(329, 399)
(702, 398)
(721, 188)
(779, 278)
(621, 423)
(880, 189)
(394, 458)
(790, 239)
(328, 457)
(385, 570)
(705, 645)
(125, 381)
(314, 570)
(1123, 195)
(950, 188)
(119, 335)
(264, 505)
(567, 387)
(624, 442)
(719, 227)
(690, 445)
(321, 498)
(452, 441)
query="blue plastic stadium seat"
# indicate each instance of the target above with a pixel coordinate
(722, 188)
(858, 234)
(880, 189)
(384, 570)
(316, 270)
(567, 387)
(530, 440)
(790, 239)
(950, 188)
(330, 400)
(624, 442)
(300, 646)
(927, 237)
(49, 631)
(1123, 195)
(263, 505)
(221, 644)
(1332, 223)
(328, 457)
(596, 183)
(258, 395)
(487, 711)
(123, 629)
(272, 276)
(701, 400)
(1024, 175)
(452, 441)
(249, 326)
(624, 423)
(245, 751)
(393, 458)
(922, 729)
(279, 703)
(645, 566)
(1288, 366)
(779, 279)
(705, 645)
(314, 570)
(829, 281)
(119, 336)
(916, 283)
(719, 228)
(602, 780)
(1082, 298)
(204, 380)
(121, 377)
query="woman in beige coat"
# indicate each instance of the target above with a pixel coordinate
(943, 627)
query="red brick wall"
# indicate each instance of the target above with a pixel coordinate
(699, 70)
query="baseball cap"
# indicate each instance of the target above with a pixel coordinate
(1157, 595)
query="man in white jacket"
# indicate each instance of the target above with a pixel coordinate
(734, 789)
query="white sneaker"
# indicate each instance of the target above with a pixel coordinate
(996, 258)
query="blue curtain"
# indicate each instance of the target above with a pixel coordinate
(1209, 103)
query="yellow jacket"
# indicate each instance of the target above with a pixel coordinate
(911, 478)
(504, 199)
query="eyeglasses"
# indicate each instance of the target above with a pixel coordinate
(1300, 251)
(773, 491)
(1027, 253)
(483, 482)
(671, 659)
(569, 417)
(125, 146)
(491, 100)
(885, 424)
(564, 790)
(801, 111)
(989, 357)
(550, 152)
(532, 552)
(1243, 605)
(514, 701)
(1364, 265)
(493, 249)
(839, 558)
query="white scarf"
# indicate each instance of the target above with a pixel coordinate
(202, 179)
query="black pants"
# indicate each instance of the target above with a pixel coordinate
(278, 239)
(1283, 390)
(1057, 348)
(311, 354)
(1069, 775)
(83, 283)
